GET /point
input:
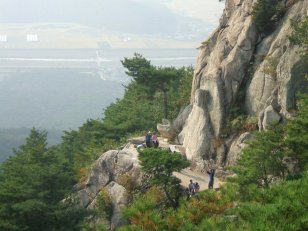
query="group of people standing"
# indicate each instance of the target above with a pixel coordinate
(194, 188)
(151, 140)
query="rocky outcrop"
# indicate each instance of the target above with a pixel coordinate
(105, 174)
(167, 130)
(222, 71)
(277, 67)
(198, 142)
(269, 117)
(171, 130)
(236, 148)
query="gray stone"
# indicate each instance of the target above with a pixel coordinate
(271, 117)
(222, 66)
(119, 202)
(170, 130)
(282, 72)
(105, 173)
(220, 69)
(237, 147)
(198, 142)
(167, 130)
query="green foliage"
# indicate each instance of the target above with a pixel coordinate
(241, 123)
(140, 110)
(262, 161)
(270, 67)
(139, 68)
(281, 207)
(160, 165)
(300, 34)
(153, 79)
(300, 37)
(134, 112)
(180, 91)
(201, 213)
(104, 205)
(130, 184)
(297, 135)
(32, 185)
(261, 197)
(266, 12)
(262, 13)
(82, 147)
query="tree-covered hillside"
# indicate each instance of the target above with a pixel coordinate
(37, 178)
(268, 190)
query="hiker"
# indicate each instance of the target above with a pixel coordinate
(211, 175)
(155, 140)
(191, 188)
(197, 187)
(148, 139)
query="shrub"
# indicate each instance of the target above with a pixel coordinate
(129, 184)
(262, 13)
(104, 204)
(266, 12)
(270, 67)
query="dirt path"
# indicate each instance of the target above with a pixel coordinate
(186, 174)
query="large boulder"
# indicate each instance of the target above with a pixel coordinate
(198, 130)
(105, 174)
(220, 69)
(237, 147)
(170, 130)
(268, 117)
(167, 130)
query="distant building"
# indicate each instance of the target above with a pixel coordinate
(3, 38)
(32, 38)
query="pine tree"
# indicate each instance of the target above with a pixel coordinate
(32, 185)
(160, 165)
(297, 133)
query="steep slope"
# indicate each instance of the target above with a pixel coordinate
(237, 58)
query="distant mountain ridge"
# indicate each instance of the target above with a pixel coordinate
(123, 16)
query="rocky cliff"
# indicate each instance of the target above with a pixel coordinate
(237, 69)
(240, 67)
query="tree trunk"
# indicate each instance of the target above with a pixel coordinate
(173, 203)
(165, 100)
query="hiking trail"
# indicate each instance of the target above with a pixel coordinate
(185, 175)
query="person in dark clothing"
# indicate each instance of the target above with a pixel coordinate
(191, 188)
(197, 187)
(211, 175)
(148, 139)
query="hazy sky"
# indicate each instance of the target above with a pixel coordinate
(207, 10)
(186, 20)
(19, 10)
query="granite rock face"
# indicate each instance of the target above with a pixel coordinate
(104, 175)
(237, 146)
(222, 71)
(278, 67)
(171, 130)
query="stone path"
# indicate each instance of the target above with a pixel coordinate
(185, 175)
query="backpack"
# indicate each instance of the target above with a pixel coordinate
(148, 138)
